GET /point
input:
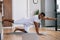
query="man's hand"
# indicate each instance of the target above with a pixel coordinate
(39, 34)
(47, 18)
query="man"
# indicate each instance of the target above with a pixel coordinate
(36, 20)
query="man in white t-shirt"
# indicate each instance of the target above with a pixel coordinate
(36, 20)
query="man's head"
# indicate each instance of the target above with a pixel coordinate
(41, 15)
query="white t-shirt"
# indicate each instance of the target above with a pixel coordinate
(36, 19)
(28, 21)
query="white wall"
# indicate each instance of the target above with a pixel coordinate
(33, 7)
(43, 6)
(49, 11)
(19, 9)
(24, 8)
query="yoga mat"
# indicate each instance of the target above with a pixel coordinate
(25, 36)
(30, 36)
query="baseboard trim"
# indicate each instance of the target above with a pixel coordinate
(50, 26)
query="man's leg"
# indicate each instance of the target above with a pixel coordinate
(20, 30)
(25, 23)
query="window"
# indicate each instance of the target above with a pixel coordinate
(58, 5)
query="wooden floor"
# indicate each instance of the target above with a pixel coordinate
(47, 34)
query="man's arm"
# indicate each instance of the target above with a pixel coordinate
(37, 27)
(47, 18)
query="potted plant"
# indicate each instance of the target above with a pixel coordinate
(36, 12)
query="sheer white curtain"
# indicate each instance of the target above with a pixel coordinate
(58, 4)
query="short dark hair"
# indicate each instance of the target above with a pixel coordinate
(42, 13)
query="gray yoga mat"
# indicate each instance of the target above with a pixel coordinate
(25, 36)
(30, 36)
(16, 33)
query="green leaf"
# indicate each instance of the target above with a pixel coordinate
(36, 12)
